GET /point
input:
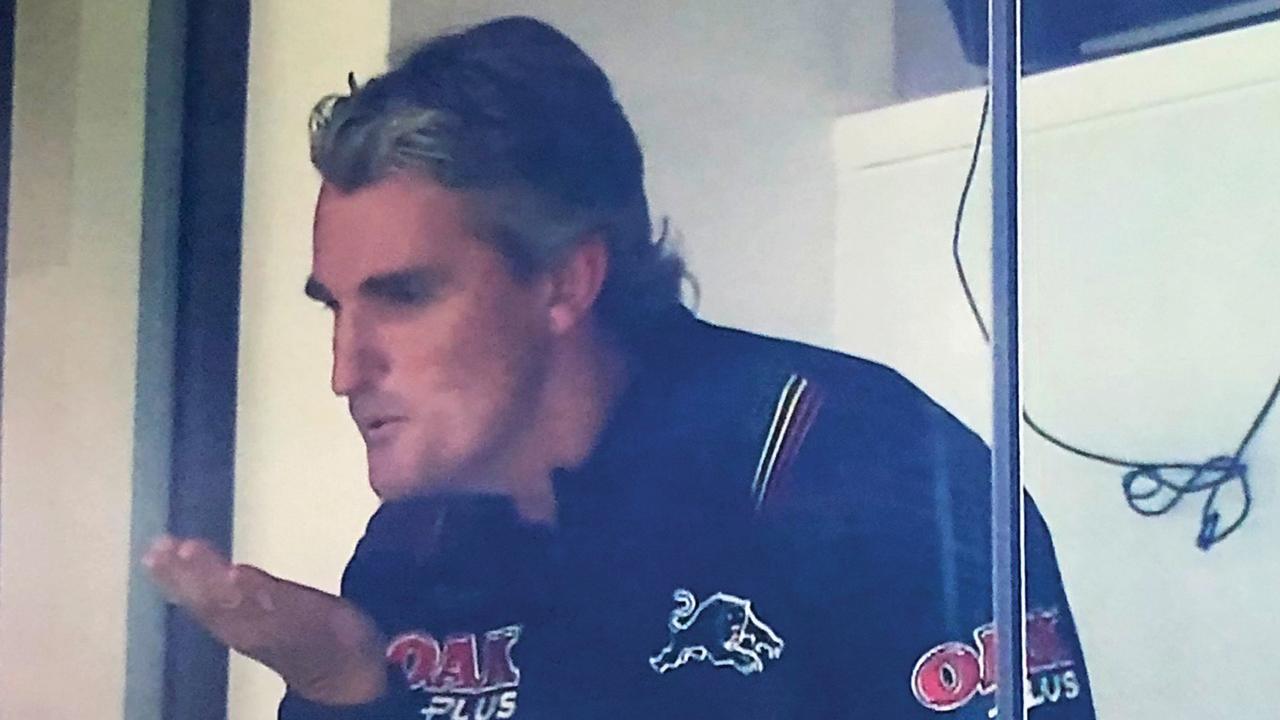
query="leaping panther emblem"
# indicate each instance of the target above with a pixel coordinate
(722, 630)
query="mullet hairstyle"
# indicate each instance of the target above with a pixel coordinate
(520, 118)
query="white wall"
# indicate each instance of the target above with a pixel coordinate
(302, 494)
(733, 109)
(1149, 298)
(83, 484)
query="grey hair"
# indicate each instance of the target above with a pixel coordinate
(537, 190)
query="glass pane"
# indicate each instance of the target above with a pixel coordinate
(1149, 354)
(810, 164)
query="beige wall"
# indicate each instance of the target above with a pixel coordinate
(301, 490)
(68, 453)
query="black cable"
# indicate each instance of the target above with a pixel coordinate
(955, 234)
(1144, 480)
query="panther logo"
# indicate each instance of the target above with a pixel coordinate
(722, 630)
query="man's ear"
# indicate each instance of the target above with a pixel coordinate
(576, 283)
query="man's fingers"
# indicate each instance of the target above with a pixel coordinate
(259, 587)
(308, 636)
(160, 547)
(232, 601)
(208, 576)
(291, 607)
(161, 561)
(192, 574)
(269, 593)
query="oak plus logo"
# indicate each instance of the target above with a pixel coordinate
(467, 676)
(950, 675)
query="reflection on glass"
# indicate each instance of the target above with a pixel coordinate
(856, 542)
(1150, 370)
(751, 529)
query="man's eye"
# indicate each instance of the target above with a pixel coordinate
(406, 296)
(408, 290)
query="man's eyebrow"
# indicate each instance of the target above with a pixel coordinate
(317, 291)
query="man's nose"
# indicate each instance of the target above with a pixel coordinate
(357, 363)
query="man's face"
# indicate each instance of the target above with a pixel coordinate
(439, 349)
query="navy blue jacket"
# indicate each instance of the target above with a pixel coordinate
(764, 530)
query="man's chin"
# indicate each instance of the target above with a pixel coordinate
(396, 488)
(395, 483)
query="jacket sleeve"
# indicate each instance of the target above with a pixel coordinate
(1059, 686)
(891, 496)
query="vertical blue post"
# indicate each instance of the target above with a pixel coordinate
(1006, 488)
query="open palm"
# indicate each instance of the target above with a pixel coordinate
(324, 648)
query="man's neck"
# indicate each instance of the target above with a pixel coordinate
(587, 376)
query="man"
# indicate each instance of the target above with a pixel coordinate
(593, 504)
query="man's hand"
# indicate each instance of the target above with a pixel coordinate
(326, 650)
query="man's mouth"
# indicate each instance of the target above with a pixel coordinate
(382, 429)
